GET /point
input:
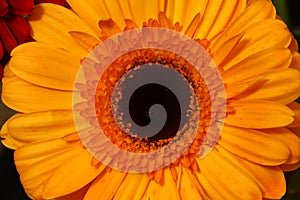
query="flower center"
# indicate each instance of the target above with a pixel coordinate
(144, 102)
(148, 98)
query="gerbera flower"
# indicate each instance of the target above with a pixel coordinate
(258, 62)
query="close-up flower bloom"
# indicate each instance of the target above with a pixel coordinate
(255, 55)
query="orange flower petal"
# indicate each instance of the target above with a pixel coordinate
(250, 16)
(296, 60)
(108, 28)
(254, 40)
(290, 167)
(39, 126)
(166, 189)
(37, 162)
(255, 146)
(211, 192)
(85, 40)
(133, 187)
(272, 87)
(217, 168)
(91, 11)
(294, 106)
(53, 67)
(6, 140)
(193, 26)
(187, 187)
(105, 185)
(290, 140)
(236, 89)
(150, 9)
(25, 97)
(54, 31)
(78, 195)
(68, 177)
(217, 15)
(221, 50)
(270, 179)
(259, 114)
(258, 63)
(28, 154)
(294, 44)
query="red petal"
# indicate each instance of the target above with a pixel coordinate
(59, 2)
(23, 7)
(1, 50)
(7, 37)
(3, 8)
(18, 26)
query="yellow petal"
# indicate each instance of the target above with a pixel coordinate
(259, 114)
(263, 35)
(105, 185)
(25, 97)
(255, 146)
(28, 154)
(282, 86)
(290, 140)
(39, 126)
(48, 27)
(258, 63)
(294, 44)
(78, 195)
(238, 88)
(91, 11)
(187, 187)
(71, 176)
(37, 161)
(222, 49)
(166, 189)
(109, 28)
(133, 187)
(296, 131)
(290, 167)
(296, 60)
(116, 9)
(270, 179)
(193, 26)
(226, 176)
(294, 106)
(7, 72)
(6, 140)
(211, 192)
(143, 10)
(45, 65)
(217, 15)
(85, 40)
(250, 16)
(184, 11)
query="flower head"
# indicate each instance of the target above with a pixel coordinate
(226, 74)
